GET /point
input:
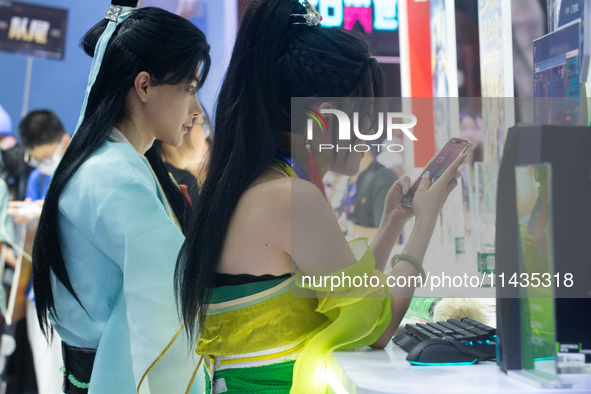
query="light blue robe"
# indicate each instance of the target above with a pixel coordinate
(120, 247)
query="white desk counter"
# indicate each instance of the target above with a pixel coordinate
(387, 371)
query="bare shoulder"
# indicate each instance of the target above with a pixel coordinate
(280, 220)
(309, 206)
(267, 195)
(318, 246)
(289, 199)
(259, 233)
(306, 191)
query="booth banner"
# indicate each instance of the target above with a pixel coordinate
(417, 72)
(32, 29)
(496, 76)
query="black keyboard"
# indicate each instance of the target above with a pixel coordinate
(467, 331)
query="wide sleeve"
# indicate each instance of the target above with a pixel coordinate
(358, 315)
(134, 230)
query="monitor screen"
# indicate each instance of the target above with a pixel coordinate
(563, 12)
(556, 76)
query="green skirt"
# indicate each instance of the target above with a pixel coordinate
(268, 379)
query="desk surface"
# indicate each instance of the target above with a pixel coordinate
(387, 371)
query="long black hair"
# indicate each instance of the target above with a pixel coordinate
(273, 60)
(170, 49)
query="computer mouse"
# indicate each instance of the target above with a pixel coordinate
(436, 351)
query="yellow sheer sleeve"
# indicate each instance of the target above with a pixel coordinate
(357, 317)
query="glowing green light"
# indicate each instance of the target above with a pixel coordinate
(544, 358)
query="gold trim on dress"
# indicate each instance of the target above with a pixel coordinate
(158, 358)
(194, 375)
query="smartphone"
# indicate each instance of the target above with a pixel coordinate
(438, 164)
(28, 210)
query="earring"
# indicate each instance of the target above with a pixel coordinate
(313, 170)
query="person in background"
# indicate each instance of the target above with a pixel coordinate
(13, 173)
(363, 202)
(12, 166)
(16, 361)
(393, 160)
(45, 140)
(188, 163)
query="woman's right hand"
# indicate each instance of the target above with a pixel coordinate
(430, 197)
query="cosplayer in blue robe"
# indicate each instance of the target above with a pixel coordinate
(120, 244)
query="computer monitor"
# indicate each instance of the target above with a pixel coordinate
(566, 150)
(556, 76)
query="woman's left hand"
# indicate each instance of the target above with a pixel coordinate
(393, 208)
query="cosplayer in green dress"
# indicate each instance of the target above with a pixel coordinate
(257, 337)
(263, 336)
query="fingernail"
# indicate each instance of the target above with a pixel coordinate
(460, 168)
(426, 175)
(458, 175)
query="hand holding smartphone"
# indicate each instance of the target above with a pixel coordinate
(438, 164)
(24, 211)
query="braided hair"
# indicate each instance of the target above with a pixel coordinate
(273, 61)
(306, 69)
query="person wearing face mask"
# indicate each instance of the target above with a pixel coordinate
(45, 140)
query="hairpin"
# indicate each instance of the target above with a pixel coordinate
(113, 13)
(116, 15)
(312, 16)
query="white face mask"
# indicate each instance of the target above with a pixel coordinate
(49, 165)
